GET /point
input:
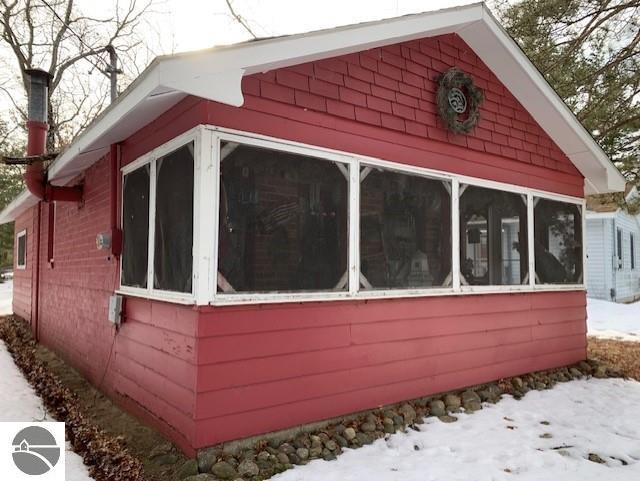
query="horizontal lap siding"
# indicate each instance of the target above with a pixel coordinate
(269, 367)
(22, 278)
(382, 103)
(149, 364)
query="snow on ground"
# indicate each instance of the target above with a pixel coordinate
(6, 289)
(508, 441)
(611, 320)
(20, 403)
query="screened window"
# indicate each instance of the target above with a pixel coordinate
(558, 242)
(405, 230)
(493, 237)
(632, 250)
(173, 239)
(135, 227)
(21, 258)
(283, 221)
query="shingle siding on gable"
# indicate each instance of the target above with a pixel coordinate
(394, 87)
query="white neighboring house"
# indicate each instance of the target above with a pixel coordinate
(613, 242)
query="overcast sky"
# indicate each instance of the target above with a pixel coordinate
(183, 25)
(194, 24)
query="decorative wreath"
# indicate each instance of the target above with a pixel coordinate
(458, 101)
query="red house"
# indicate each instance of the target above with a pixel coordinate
(307, 226)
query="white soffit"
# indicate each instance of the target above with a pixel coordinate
(216, 74)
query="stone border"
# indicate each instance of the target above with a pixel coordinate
(105, 456)
(260, 457)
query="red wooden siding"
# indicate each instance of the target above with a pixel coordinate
(149, 365)
(211, 374)
(381, 103)
(22, 278)
(269, 367)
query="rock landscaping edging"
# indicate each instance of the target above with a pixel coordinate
(104, 455)
(260, 458)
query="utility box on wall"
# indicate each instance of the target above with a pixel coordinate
(115, 309)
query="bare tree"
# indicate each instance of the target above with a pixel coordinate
(56, 36)
(240, 19)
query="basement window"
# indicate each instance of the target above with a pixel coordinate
(173, 256)
(135, 227)
(283, 221)
(405, 230)
(21, 250)
(558, 245)
(493, 237)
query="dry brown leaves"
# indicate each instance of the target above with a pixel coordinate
(105, 456)
(623, 355)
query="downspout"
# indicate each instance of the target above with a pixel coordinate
(116, 233)
(35, 177)
(36, 288)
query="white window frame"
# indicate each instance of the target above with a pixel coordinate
(355, 161)
(206, 221)
(22, 233)
(200, 163)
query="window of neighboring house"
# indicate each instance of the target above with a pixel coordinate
(558, 242)
(283, 221)
(619, 247)
(632, 250)
(135, 227)
(405, 230)
(21, 243)
(493, 237)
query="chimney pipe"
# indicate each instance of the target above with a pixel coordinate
(37, 128)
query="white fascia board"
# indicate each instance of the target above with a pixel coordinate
(17, 206)
(215, 74)
(506, 59)
(101, 132)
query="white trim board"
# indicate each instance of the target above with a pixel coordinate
(208, 138)
(23, 266)
(216, 74)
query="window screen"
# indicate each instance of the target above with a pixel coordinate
(632, 250)
(135, 227)
(558, 242)
(493, 237)
(405, 231)
(173, 252)
(21, 260)
(283, 222)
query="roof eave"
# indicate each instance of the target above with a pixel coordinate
(216, 74)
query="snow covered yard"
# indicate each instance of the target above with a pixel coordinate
(19, 402)
(610, 320)
(548, 435)
(6, 293)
